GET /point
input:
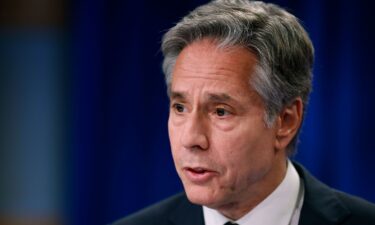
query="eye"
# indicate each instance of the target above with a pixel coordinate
(178, 107)
(222, 112)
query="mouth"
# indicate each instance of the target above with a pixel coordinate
(199, 175)
(198, 170)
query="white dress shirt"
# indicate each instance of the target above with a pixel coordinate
(281, 207)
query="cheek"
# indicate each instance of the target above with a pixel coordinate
(173, 139)
(173, 132)
(244, 149)
(237, 145)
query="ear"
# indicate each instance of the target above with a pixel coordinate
(288, 123)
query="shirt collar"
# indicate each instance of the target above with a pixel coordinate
(277, 208)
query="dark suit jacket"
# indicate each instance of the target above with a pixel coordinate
(322, 206)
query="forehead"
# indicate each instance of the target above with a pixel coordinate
(203, 65)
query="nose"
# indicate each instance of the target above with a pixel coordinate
(195, 133)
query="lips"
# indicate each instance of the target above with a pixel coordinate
(199, 175)
(197, 170)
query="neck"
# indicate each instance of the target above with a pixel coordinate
(256, 194)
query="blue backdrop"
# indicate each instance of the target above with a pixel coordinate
(119, 157)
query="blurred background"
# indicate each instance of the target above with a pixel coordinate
(83, 106)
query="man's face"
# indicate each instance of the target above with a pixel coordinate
(222, 150)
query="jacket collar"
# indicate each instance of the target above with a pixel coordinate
(320, 205)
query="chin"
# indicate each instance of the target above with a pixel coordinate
(201, 195)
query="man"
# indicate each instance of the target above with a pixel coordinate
(239, 77)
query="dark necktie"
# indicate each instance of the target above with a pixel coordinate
(230, 223)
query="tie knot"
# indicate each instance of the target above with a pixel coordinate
(230, 223)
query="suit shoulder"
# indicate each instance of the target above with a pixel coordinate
(325, 205)
(155, 214)
(362, 211)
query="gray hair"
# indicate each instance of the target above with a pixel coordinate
(283, 48)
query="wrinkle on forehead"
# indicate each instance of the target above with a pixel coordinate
(192, 71)
(205, 57)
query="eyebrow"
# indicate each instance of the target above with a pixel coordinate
(221, 97)
(177, 95)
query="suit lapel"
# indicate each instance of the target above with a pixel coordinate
(320, 205)
(187, 213)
